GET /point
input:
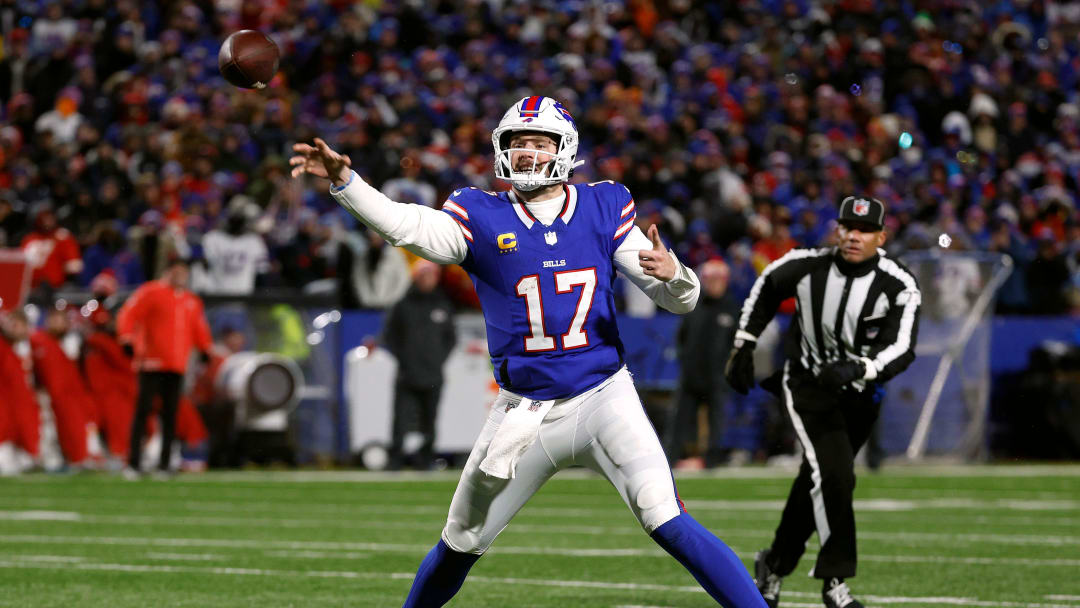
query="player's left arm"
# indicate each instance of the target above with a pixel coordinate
(657, 271)
(901, 328)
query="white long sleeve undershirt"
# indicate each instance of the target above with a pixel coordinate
(433, 235)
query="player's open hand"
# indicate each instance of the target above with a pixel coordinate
(657, 262)
(320, 160)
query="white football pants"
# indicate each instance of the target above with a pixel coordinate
(604, 429)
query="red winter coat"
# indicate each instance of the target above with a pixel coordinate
(54, 255)
(110, 375)
(72, 405)
(163, 325)
(20, 418)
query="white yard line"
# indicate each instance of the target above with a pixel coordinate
(1049, 540)
(898, 471)
(316, 555)
(41, 562)
(40, 516)
(890, 504)
(764, 509)
(333, 550)
(184, 557)
(348, 509)
(933, 601)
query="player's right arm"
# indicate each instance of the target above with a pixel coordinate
(427, 232)
(776, 283)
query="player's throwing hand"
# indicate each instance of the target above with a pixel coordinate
(657, 262)
(321, 161)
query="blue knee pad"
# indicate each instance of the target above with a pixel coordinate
(715, 566)
(440, 576)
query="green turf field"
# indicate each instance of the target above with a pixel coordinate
(966, 536)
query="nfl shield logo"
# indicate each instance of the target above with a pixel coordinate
(861, 207)
(550, 238)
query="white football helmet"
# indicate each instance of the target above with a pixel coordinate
(544, 115)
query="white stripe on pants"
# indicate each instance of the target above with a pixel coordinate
(816, 497)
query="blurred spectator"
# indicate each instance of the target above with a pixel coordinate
(110, 375)
(74, 409)
(14, 64)
(161, 324)
(52, 251)
(219, 413)
(64, 120)
(11, 221)
(54, 27)
(235, 255)
(1047, 277)
(154, 242)
(377, 272)
(719, 114)
(409, 188)
(704, 340)
(109, 253)
(775, 241)
(419, 332)
(19, 414)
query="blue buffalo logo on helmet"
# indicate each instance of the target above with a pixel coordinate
(565, 113)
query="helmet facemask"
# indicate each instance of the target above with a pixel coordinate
(538, 168)
(543, 116)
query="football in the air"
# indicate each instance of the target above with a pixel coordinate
(248, 59)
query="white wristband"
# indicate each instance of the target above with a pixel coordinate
(871, 368)
(745, 336)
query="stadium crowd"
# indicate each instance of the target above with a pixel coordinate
(737, 126)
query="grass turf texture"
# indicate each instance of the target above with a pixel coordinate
(928, 536)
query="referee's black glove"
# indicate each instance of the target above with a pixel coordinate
(838, 374)
(739, 370)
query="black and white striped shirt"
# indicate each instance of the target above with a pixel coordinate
(867, 311)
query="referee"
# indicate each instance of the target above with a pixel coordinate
(857, 314)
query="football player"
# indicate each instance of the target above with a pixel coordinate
(543, 257)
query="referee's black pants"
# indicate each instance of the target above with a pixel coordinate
(831, 426)
(165, 385)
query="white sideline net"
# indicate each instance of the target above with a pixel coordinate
(938, 406)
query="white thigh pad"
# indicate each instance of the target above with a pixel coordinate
(621, 427)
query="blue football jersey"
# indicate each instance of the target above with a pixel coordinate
(547, 291)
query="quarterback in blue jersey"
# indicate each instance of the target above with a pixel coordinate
(543, 258)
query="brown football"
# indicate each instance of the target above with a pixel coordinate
(248, 59)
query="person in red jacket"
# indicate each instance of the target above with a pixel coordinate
(53, 252)
(110, 374)
(162, 323)
(74, 410)
(20, 419)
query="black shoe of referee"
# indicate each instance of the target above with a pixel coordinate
(767, 581)
(837, 595)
